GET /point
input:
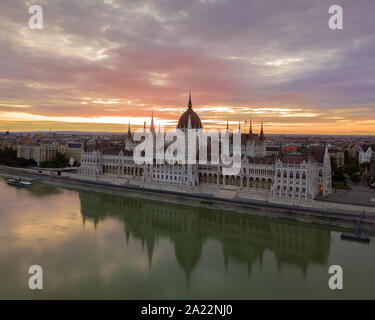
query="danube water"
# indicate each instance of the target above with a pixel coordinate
(95, 245)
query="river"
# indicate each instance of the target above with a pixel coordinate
(95, 245)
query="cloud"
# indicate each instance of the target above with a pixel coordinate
(249, 57)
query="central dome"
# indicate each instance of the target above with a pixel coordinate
(189, 119)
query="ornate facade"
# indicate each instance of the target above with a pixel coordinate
(292, 176)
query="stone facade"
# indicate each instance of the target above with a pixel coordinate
(296, 176)
(39, 153)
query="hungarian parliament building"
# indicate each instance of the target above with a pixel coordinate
(265, 173)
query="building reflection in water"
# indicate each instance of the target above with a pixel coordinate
(244, 238)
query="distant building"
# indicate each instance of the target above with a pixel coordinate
(74, 150)
(61, 148)
(361, 152)
(272, 151)
(372, 167)
(289, 148)
(365, 153)
(338, 155)
(39, 153)
(26, 140)
(255, 146)
(7, 144)
(25, 151)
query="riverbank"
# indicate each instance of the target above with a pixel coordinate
(339, 218)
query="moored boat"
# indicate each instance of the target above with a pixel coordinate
(19, 183)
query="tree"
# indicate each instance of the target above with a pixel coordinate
(337, 174)
(351, 166)
(346, 156)
(60, 161)
(355, 177)
(8, 157)
(333, 163)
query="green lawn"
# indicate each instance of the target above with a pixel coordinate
(340, 185)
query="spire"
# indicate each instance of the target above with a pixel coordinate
(251, 128)
(152, 127)
(190, 105)
(129, 132)
(227, 126)
(239, 126)
(304, 149)
(144, 126)
(280, 154)
(261, 132)
(326, 155)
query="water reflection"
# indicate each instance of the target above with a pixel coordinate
(244, 239)
(100, 246)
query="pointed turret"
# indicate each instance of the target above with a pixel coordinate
(250, 135)
(227, 126)
(129, 135)
(280, 155)
(152, 127)
(261, 132)
(326, 156)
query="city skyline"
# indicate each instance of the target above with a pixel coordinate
(279, 64)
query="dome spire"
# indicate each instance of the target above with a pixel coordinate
(195, 121)
(190, 105)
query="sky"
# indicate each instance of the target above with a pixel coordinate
(98, 64)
